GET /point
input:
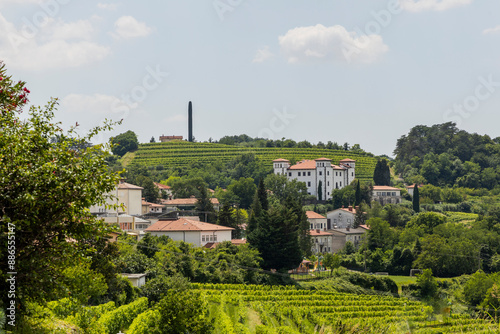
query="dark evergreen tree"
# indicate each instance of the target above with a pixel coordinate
(225, 218)
(357, 196)
(303, 224)
(258, 217)
(320, 190)
(262, 195)
(152, 140)
(359, 218)
(416, 199)
(205, 206)
(150, 191)
(382, 173)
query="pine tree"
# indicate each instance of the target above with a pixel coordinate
(359, 218)
(258, 217)
(262, 195)
(357, 197)
(416, 199)
(204, 205)
(320, 190)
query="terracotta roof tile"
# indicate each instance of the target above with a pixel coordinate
(183, 224)
(323, 159)
(314, 215)
(304, 164)
(125, 185)
(186, 201)
(315, 233)
(381, 188)
(281, 160)
(162, 186)
(347, 160)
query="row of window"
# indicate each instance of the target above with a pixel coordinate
(209, 238)
(388, 193)
(309, 173)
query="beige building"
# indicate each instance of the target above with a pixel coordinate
(148, 207)
(186, 203)
(322, 241)
(191, 231)
(341, 218)
(342, 235)
(386, 195)
(127, 196)
(316, 221)
(164, 190)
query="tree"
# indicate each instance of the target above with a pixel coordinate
(124, 142)
(152, 140)
(47, 187)
(357, 196)
(331, 261)
(416, 199)
(320, 190)
(150, 191)
(186, 187)
(382, 173)
(226, 218)
(427, 284)
(205, 206)
(359, 218)
(282, 188)
(244, 190)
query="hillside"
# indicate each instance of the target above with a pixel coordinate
(181, 153)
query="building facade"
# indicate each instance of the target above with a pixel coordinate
(320, 176)
(386, 195)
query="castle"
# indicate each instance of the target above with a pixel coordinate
(318, 175)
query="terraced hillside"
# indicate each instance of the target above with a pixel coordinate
(180, 153)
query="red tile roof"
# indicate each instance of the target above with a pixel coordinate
(323, 159)
(366, 227)
(315, 233)
(281, 160)
(238, 241)
(379, 188)
(313, 215)
(152, 204)
(347, 160)
(304, 164)
(162, 186)
(338, 167)
(183, 224)
(186, 201)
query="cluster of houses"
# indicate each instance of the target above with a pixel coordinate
(329, 233)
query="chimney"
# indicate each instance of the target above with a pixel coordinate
(350, 208)
(190, 122)
(347, 228)
(317, 231)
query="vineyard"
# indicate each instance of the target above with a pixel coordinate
(182, 154)
(248, 309)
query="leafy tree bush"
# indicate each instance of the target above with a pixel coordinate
(124, 142)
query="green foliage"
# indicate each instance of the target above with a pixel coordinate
(282, 188)
(205, 206)
(124, 142)
(64, 307)
(320, 190)
(382, 173)
(427, 221)
(243, 191)
(416, 199)
(122, 317)
(331, 261)
(187, 187)
(380, 234)
(427, 284)
(49, 179)
(183, 312)
(146, 323)
(150, 191)
(155, 288)
(83, 283)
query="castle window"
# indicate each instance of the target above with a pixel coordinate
(290, 174)
(308, 173)
(320, 173)
(308, 184)
(299, 173)
(328, 172)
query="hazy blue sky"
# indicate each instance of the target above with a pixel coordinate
(358, 71)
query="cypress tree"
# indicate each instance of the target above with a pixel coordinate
(262, 195)
(205, 206)
(320, 190)
(416, 199)
(305, 241)
(382, 173)
(357, 197)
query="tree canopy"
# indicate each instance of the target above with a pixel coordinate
(124, 142)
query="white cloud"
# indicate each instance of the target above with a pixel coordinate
(95, 104)
(433, 5)
(494, 30)
(320, 43)
(262, 55)
(107, 6)
(129, 27)
(52, 44)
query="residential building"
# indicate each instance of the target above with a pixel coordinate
(186, 203)
(316, 221)
(127, 196)
(411, 188)
(164, 191)
(191, 231)
(342, 235)
(322, 241)
(320, 175)
(386, 195)
(137, 280)
(341, 218)
(165, 139)
(148, 207)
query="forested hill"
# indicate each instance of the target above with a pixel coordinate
(444, 155)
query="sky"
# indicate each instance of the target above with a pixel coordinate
(360, 71)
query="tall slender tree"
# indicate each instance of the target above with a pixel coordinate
(382, 173)
(320, 190)
(416, 199)
(357, 196)
(205, 206)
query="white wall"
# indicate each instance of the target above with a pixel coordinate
(341, 218)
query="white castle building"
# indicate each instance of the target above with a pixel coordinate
(312, 172)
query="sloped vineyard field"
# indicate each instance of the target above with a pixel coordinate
(180, 154)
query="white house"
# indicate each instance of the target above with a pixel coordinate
(148, 207)
(320, 176)
(386, 195)
(191, 231)
(164, 190)
(186, 203)
(341, 218)
(128, 195)
(342, 235)
(322, 241)
(137, 280)
(317, 221)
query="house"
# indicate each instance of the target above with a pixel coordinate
(341, 218)
(127, 222)
(322, 241)
(165, 139)
(342, 235)
(164, 191)
(191, 231)
(186, 203)
(148, 207)
(127, 196)
(320, 175)
(386, 195)
(316, 220)
(137, 280)
(410, 189)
